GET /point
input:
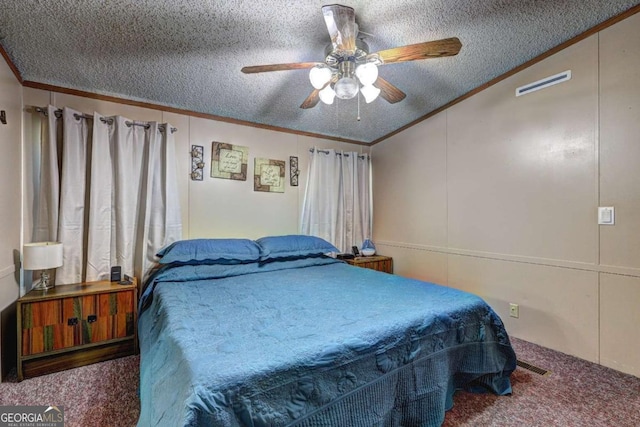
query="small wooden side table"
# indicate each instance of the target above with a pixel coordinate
(374, 262)
(75, 325)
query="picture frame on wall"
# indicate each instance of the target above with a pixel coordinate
(229, 161)
(268, 175)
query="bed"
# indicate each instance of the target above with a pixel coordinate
(235, 332)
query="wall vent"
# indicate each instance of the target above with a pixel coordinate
(528, 366)
(546, 82)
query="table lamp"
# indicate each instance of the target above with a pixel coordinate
(42, 256)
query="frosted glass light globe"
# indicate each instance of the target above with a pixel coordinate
(346, 88)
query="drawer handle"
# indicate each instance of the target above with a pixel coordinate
(92, 318)
(72, 321)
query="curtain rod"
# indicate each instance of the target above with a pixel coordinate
(107, 120)
(311, 150)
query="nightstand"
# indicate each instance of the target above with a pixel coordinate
(375, 262)
(75, 325)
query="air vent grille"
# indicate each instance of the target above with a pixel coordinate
(533, 368)
(544, 83)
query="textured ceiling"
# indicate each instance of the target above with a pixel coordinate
(188, 54)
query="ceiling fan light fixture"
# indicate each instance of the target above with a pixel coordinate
(348, 65)
(327, 95)
(319, 76)
(370, 93)
(346, 88)
(367, 73)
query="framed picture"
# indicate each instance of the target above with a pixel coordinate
(268, 175)
(229, 161)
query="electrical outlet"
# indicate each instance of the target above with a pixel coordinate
(514, 310)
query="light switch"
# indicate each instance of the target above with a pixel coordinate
(606, 215)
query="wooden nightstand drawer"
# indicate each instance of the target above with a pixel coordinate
(67, 322)
(375, 262)
(74, 325)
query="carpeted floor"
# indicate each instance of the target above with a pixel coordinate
(99, 395)
(577, 393)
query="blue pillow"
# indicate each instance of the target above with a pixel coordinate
(210, 251)
(293, 246)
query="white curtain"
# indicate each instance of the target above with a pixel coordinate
(47, 182)
(356, 170)
(337, 201)
(73, 181)
(118, 195)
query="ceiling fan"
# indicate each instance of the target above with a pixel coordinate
(349, 68)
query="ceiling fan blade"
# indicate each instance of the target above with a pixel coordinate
(341, 23)
(412, 52)
(279, 67)
(312, 100)
(389, 92)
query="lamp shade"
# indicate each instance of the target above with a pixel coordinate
(367, 73)
(370, 93)
(41, 255)
(319, 76)
(327, 95)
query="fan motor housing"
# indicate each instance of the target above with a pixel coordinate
(335, 57)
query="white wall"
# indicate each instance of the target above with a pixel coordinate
(10, 211)
(498, 195)
(228, 208)
(619, 162)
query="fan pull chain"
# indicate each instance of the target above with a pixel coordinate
(358, 104)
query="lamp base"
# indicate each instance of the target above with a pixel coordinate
(44, 283)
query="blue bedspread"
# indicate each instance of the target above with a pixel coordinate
(316, 345)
